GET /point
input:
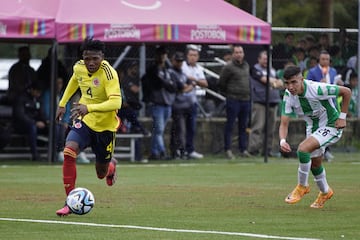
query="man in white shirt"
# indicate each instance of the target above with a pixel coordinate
(194, 73)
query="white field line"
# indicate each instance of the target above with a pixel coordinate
(155, 229)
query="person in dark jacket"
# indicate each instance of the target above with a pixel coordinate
(21, 75)
(258, 75)
(234, 83)
(129, 111)
(28, 117)
(160, 92)
(182, 107)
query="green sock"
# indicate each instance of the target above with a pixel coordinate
(304, 157)
(317, 171)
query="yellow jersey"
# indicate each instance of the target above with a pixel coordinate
(100, 92)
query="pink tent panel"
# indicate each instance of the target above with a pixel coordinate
(28, 19)
(199, 21)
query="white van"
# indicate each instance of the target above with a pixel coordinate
(5, 65)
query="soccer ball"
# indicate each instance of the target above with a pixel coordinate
(80, 201)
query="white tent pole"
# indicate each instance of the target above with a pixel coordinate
(269, 11)
(253, 10)
(121, 57)
(211, 92)
(219, 60)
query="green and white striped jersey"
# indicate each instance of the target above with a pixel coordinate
(316, 105)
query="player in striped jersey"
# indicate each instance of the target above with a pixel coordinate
(95, 115)
(314, 102)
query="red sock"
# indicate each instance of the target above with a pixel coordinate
(69, 169)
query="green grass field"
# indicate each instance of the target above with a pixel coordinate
(212, 199)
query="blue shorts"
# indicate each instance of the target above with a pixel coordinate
(101, 143)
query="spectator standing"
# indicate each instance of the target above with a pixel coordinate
(159, 89)
(258, 75)
(301, 43)
(349, 47)
(44, 79)
(181, 108)
(310, 63)
(312, 53)
(28, 117)
(194, 72)
(351, 68)
(352, 62)
(353, 85)
(324, 42)
(130, 84)
(234, 84)
(299, 58)
(227, 56)
(310, 42)
(314, 102)
(21, 75)
(131, 105)
(323, 72)
(337, 61)
(283, 51)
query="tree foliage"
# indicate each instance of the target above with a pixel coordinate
(305, 13)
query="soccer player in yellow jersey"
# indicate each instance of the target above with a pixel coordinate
(95, 119)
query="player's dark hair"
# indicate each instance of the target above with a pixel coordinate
(291, 71)
(23, 48)
(261, 53)
(233, 48)
(324, 52)
(92, 45)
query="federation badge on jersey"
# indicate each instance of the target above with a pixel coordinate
(96, 82)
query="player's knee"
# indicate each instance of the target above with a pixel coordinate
(70, 154)
(304, 147)
(316, 162)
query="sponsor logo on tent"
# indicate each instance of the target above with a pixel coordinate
(208, 32)
(127, 31)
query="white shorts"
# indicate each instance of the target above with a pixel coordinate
(326, 136)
